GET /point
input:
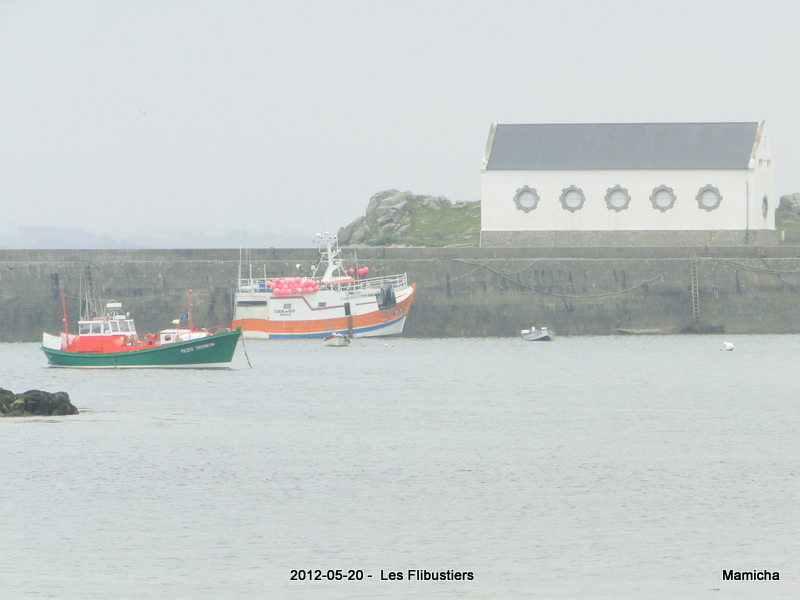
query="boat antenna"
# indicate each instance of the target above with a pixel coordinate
(80, 295)
(240, 251)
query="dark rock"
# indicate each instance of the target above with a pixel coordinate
(35, 402)
(6, 397)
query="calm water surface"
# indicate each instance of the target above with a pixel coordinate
(591, 467)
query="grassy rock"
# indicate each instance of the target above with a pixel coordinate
(395, 218)
(787, 216)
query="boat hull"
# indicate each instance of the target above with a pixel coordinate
(539, 335)
(337, 341)
(215, 351)
(270, 330)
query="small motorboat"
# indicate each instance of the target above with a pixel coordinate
(545, 334)
(337, 340)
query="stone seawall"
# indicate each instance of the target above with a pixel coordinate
(560, 239)
(461, 291)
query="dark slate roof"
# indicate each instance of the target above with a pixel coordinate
(597, 146)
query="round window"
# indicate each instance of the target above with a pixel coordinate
(617, 198)
(662, 198)
(572, 198)
(708, 198)
(526, 198)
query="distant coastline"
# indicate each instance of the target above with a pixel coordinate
(65, 238)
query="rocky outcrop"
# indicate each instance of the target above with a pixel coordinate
(394, 217)
(35, 403)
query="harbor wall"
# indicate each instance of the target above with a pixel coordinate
(465, 291)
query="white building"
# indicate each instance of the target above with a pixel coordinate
(632, 184)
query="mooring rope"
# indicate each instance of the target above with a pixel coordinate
(486, 264)
(768, 269)
(245, 351)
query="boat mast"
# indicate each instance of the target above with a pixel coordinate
(330, 256)
(191, 314)
(64, 309)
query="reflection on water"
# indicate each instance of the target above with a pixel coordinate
(591, 467)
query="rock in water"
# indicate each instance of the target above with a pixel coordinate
(35, 403)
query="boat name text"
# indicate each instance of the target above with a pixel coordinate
(200, 347)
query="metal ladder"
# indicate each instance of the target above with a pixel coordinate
(695, 290)
(91, 303)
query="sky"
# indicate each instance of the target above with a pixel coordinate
(213, 116)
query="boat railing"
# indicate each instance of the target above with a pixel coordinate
(353, 287)
(253, 285)
(376, 283)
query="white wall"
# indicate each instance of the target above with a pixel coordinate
(736, 211)
(761, 180)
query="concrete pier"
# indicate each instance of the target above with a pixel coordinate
(465, 291)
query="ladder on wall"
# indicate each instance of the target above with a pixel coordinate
(695, 290)
(91, 303)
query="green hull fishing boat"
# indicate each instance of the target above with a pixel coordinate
(111, 341)
(214, 351)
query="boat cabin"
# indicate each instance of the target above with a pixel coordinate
(115, 330)
(101, 326)
(116, 322)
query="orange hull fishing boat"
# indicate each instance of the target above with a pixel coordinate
(332, 300)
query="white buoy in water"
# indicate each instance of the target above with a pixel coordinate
(727, 346)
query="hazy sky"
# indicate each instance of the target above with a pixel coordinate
(287, 116)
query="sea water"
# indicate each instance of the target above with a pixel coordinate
(589, 467)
